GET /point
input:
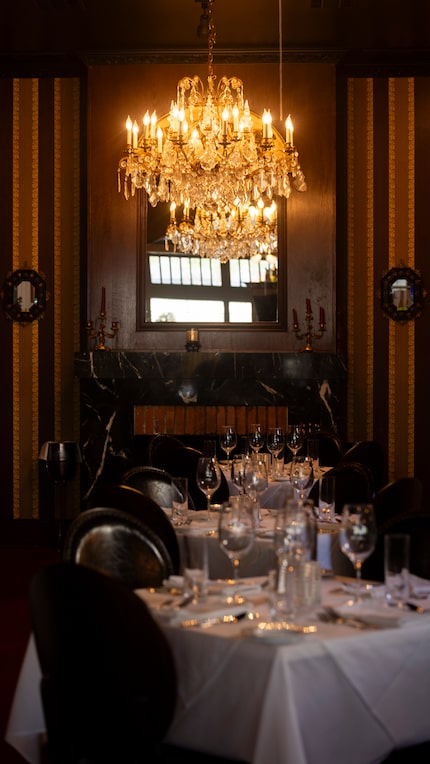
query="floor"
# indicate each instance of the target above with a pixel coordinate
(17, 565)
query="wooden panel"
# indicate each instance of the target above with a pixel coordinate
(204, 420)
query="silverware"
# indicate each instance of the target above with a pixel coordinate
(205, 623)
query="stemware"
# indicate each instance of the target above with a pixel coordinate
(357, 537)
(275, 442)
(228, 439)
(302, 476)
(208, 478)
(256, 438)
(255, 481)
(295, 438)
(236, 530)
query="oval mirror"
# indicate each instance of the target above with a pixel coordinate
(24, 295)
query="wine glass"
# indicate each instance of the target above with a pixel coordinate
(255, 481)
(357, 537)
(275, 442)
(302, 475)
(208, 478)
(295, 438)
(256, 437)
(236, 529)
(228, 439)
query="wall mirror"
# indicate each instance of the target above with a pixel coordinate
(176, 291)
(402, 294)
(24, 295)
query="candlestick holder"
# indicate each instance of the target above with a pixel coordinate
(192, 344)
(309, 335)
(99, 332)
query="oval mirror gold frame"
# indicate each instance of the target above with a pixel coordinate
(24, 295)
(402, 294)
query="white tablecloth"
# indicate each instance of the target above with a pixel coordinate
(339, 696)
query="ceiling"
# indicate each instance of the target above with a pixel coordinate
(70, 26)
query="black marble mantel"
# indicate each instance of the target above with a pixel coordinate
(112, 383)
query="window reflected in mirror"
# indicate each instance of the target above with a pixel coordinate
(402, 294)
(180, 289)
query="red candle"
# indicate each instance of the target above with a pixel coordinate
(308, 306)
(295, 316)
(103, 305)
(322, 317)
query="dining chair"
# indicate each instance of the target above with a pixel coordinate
(329, 444)
(109, 682)
(135, 503)
(369, 453)
(181, 461)
(397, 497)
(155, 483)
(417, 526)
(116, 543)
(353, 483)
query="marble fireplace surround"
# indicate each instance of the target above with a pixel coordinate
(112, 383)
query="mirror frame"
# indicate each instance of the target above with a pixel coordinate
(414, 281)
(143, 279)
(10, 306)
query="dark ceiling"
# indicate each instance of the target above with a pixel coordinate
(70, 26)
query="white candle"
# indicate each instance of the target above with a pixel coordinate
(159, 140)
(128, 127)
(135, 134)
(153, 124)
(289, 130)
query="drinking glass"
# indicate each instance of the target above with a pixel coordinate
(295, 438)
(256, 438)
(236, 530)
(255, 481)
(302, 475)
(275, 442)
(357, 537)
(208, 478)
(228, 439)
(237, 471)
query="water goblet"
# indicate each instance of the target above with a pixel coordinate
(236, 530)
(228, 439)
(256, 438)
(275, 442)
(302, 476)
(295, 438)
(255, 481)
(208, 476)
(357, 537)
(237, 471)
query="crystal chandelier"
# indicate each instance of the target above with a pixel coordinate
(222, 164)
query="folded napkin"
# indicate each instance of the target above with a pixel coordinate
(203, 612)
(420, 587)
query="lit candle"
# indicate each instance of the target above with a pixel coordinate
(322, 316)
(235, 118)
(295, 322)
(103, 305)
(128, 127)
(153, 124)
(135, 134)
(224, 122)
(289, 130)
(146, 122)
(267, 124)
(192, 335)
(159, 140)
(308, 306)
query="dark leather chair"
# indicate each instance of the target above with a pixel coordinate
(397, 498)
(353, 484)
(108, 677)
(155, 483)
(330, 447)
(135, 503)
(116, 543)
(161, 445)
(417, 526)
(181, 461)
(369, 453)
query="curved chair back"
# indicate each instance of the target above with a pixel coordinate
(330, 447)
(398, 497)
(160, 446)
(135, 503)
(181, 461)
(116, 543)
(353, 484)
(108, 676)
(417, 526)
(155, 483)
(369, 453)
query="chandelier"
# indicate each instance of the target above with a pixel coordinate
(219, 164)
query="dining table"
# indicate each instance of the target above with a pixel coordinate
(309, 691)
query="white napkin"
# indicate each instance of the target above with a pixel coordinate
(205, 611)
(420, 587)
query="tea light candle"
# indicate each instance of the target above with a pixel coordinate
(192, 335)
